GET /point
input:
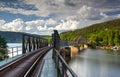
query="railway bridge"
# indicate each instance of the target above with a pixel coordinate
(38, 59)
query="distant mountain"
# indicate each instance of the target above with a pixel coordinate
(14, 37)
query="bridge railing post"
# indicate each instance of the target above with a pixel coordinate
(23, 44)
(63, 67)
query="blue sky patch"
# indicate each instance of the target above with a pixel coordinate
(8, 17)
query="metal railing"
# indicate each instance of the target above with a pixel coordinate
(11, 53)
(62, 66)
(14, 51)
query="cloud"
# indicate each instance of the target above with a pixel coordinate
(67, 25)
(71, 6)
(61, 8)
(2, 22)
(38, 26)
(24, 12)
(118, 16)
(62, 14)
(15, 25)
(45, 27)
(51, 22)
(90, 13)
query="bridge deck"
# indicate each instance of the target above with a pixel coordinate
(49, 69)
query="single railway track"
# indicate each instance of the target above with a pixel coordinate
(25, 66)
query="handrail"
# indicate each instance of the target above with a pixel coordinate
(65, 64)
(14, 51)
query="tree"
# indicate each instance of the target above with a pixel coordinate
(93, 39)
(111, 37)
(3, 48)
(116, 38)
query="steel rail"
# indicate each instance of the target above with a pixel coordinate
(18, 59)
(35, 63)
(20, 66)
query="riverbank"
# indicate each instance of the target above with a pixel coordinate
(115, 48)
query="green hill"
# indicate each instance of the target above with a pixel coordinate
(101, 33)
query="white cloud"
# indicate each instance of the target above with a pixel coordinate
(118, 16)
(51, 22)
(90, 13)
(45, 27)
(72, 17)
(68, 25)
(73, 13)
(38, 26)
(2, 22)
(15, 25)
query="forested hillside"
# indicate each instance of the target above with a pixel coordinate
(101, 33)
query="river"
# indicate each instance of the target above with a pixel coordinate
(96, 63)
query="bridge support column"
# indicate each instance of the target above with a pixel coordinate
(23, 45)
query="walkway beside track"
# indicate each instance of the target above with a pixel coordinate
(49, 69)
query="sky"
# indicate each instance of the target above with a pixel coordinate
(43, 16)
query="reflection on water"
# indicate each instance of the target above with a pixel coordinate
(96, 63)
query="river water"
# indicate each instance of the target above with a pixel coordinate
(96, 63)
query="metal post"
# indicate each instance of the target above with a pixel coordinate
(17, 51)
(33, 43)
(29, 48)
(37, 43)
(40, 43)
(12, 52)
(63, 67)
(63, 71)
(23, 44)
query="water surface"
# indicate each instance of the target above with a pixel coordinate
(96, 63)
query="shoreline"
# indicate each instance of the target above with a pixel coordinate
(108, 48)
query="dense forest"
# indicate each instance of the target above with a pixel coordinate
(107, 33)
